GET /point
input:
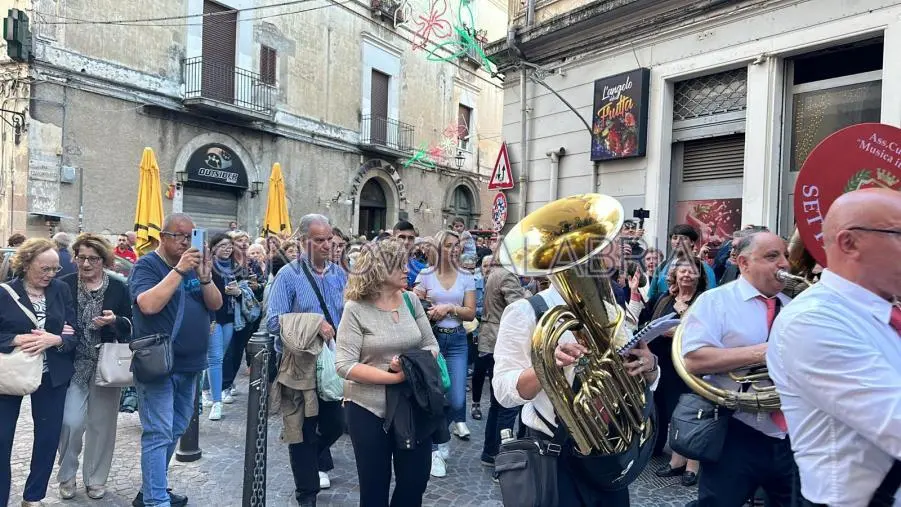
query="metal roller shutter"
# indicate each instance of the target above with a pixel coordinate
(714, 159)
(212, 209)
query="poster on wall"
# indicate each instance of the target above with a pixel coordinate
(714, 219)
(620, 120)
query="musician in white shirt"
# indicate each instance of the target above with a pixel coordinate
(836, 358)
(727, 329)
(515, 384)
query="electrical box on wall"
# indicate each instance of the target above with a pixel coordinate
(67, 174)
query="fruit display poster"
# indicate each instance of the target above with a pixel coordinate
(620, 121)
(714, 219)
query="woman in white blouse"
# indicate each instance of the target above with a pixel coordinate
(452, 292)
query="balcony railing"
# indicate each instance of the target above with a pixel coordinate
(208, 80)
(387, 10)
(384, 134)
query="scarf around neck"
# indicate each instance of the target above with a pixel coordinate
(87, 352)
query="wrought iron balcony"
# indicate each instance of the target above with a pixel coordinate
(388, 10)
(386, 136)
(226, 88)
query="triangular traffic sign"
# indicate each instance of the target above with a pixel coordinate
(502, 177)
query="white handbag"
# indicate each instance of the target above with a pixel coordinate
(22, 373)
(114, 366)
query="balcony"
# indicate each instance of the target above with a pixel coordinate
(386, 136)
(387, 10)
(220, 88)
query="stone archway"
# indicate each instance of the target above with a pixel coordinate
(388, 181)
(462, 200)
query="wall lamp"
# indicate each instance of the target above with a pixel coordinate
(460, 159)
(329, 202)
(255, 188)
(419, 209)
(181, 177)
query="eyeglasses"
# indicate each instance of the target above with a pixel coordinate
(93, 259)
(177, 236)
(893, 232)
(50, 270)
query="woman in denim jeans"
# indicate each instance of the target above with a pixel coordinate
(452, 292)
(224, 277)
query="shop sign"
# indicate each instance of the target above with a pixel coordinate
(218, 165)
(620, 119)
(867, 155)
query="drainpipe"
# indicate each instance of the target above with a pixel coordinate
(554, 157)
(524, 146)
(530, 12)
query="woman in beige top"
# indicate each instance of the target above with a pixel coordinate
(376, 327)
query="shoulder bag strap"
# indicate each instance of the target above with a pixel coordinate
(539, 305)
(409, 304)
(28, 313)
(325, 312)
(560, 433)
(885, 493)
(181, 309)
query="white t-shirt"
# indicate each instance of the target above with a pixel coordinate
(437, 294)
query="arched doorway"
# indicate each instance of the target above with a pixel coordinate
(462, 205)
(373, 208)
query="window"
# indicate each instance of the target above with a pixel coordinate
(268, 59)
(464, 120)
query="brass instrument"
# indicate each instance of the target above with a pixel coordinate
(565, 241)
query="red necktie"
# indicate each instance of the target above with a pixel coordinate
(895, 321)
(777, 417)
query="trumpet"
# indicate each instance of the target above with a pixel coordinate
(785, 276)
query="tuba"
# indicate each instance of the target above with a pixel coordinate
(564, 241)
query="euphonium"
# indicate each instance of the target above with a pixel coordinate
(563, 241)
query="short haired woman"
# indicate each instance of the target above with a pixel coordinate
(686, 279)
(376, 327)
(48, 326)
(91, 412)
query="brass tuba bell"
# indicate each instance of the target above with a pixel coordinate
(564, 240)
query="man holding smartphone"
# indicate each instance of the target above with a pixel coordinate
(171, 280)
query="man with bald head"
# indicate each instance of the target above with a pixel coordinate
(836, 358)
(727, 329)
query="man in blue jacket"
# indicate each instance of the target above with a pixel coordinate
(175, 274)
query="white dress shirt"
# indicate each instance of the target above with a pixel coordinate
(836, 363)
(513, 355)
(730, 316)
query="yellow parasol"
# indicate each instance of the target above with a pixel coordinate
(149, 210)
(277, 221)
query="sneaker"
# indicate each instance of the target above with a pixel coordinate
(67, 489)
(444, 451)
(439, 468)
(324, 481)
(216, 412)
(227, 397)
(206, 399)
(234, 390)
(460, 430)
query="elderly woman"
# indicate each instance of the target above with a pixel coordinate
(37, 317)
(452, 292)
(104, 316)
(379, 323)
(687, 279)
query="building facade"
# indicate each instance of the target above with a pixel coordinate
(373, 115)
(700, 111)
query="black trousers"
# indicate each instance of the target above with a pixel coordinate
(47, 414)
(374, 449)
(480, 371)
(313, 455)
(750, 460)
(234, 355)
(572, 491)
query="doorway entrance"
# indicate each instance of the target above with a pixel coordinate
(373, 209)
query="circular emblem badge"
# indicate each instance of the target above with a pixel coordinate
(499, 211)
(867, 155)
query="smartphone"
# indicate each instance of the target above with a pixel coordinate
(198, 239)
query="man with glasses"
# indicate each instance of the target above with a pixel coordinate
(173, 279)
(835, 357)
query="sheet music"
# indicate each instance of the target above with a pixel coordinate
(652, 331)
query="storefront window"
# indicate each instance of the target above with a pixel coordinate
(817, 113)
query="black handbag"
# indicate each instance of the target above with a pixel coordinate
(698, 428)
(526, 469)
(152, 358)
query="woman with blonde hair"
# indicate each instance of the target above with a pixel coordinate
(451, 291)
(380, 322)
(37, 316)
(92, 411)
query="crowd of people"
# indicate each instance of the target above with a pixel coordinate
(412, 326)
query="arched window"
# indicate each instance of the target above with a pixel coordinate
(462, 205)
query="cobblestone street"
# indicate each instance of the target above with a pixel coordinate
(216, 479)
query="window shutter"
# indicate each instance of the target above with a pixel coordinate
(464, 120)
(220, 38)
(268, 58)
(714, 159)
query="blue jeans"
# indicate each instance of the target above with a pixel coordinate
(455, 350)
(219, 340)
(165, 408)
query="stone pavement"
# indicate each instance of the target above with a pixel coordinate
(216, 479)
